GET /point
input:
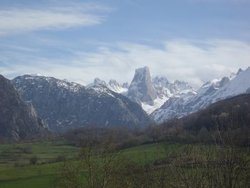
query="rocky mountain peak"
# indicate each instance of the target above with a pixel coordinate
(239, 71)
(125, 85)
(181, 85)
(160, 81)
(141, 88)
(117, 87)
(112, 85)
(113, 82)
(224, 81)
(98, 81)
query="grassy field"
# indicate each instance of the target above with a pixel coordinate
(18, 170)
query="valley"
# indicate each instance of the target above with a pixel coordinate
(56, 133)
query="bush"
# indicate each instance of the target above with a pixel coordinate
(60, 158)
(33, 160)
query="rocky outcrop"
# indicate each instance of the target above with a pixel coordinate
(141, 88)
(18, 120)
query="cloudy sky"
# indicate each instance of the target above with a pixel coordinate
(78, 40)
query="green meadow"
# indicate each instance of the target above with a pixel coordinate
(40, 164)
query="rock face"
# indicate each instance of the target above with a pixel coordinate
(65, 105)
(141, 88)
(18, 120)
(152, 93)
(209, 93)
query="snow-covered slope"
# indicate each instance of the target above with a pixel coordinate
(172, 108)
(166, 90)
(209, 93)
(112, 85)
(117, 87)
(240, 84)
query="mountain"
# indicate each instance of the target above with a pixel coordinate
(65, 105)
(112, 85)
(141, 89)
(238, 85)
(117, 87)
(166, 90)
(226, 120)
(209, 93)
(152, 93)
(149, 93)
(18, 120)
(230, 113)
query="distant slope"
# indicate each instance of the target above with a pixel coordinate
(18, 120)
(227, 119)
(209, 93)
(230, 113)
(65, 105)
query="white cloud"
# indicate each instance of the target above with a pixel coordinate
(192, 61)
(16, 20)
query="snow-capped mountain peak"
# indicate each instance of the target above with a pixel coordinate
(152, 93)
(160, 81)
(98, 81)
(209, 93)
(238, 85)
(112, 85)
(141, 88)
(117, 87)
(40, 81)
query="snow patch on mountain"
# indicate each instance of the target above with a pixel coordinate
(158, 102)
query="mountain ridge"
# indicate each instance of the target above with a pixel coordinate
(150, 93)
(65, 105)
(209, 93)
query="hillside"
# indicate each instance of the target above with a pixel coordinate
(18, 120)
(227, 118)
(65, 105)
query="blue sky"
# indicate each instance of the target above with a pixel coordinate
(191, 40)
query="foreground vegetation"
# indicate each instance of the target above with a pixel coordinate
(170, 165)
(61, 164)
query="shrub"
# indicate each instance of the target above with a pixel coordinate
(33, 160)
